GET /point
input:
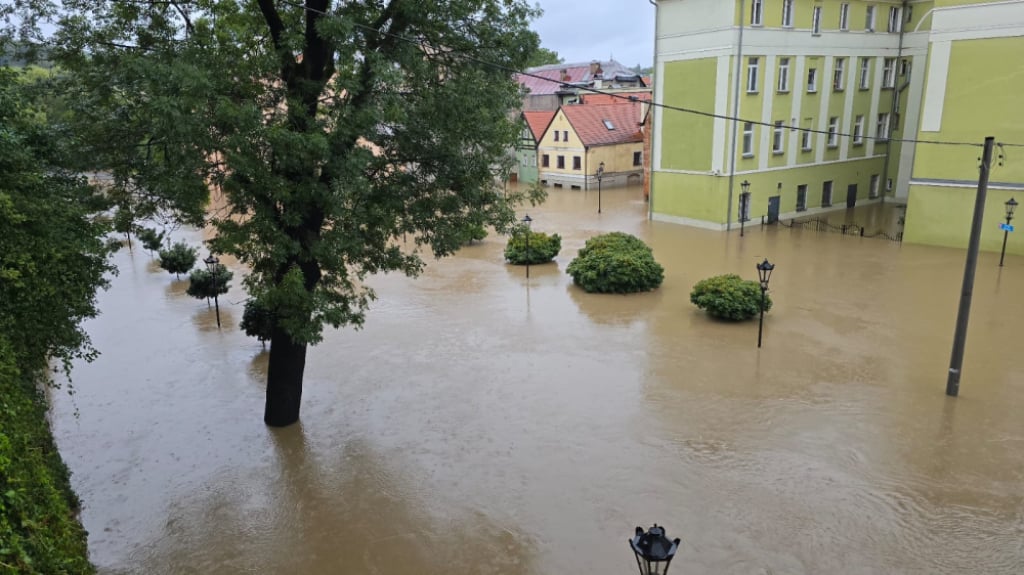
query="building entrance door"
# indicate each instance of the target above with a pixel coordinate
(773, 209)
(851, 196)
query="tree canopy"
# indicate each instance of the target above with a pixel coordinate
(327, 130)
(543, 57)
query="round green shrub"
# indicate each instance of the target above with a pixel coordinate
(729, 297)
(543, 248)
(616, 263)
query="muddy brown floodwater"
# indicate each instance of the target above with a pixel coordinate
(483, 424)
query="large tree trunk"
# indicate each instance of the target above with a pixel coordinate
(284, 380)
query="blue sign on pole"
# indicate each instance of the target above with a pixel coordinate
(1006, 227)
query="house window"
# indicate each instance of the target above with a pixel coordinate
(777, 138)
(576, 162)
(556, 135)
(748, 140)
(858, 131)
(882, 127)
(865, 73)
(910, 12)
(873, 190)
(833, 131)
(895, 19)
(787, 13)
(565, 135)
(826, 194)
(561, 162)
(838, 75)
(889, 73)
(755, 12)
(904, 67)
(545, 161)
(812, 80)
(608, 124)
(805, 140)
(783, 74)
(752, 65)
(816, 21)
(869, 19)
(844, 16)
(638, 158)
(801, 197)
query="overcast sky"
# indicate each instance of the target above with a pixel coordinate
(597, 29)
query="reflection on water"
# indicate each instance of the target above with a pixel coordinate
(483, 423)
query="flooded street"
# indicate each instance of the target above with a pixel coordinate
(483, 424)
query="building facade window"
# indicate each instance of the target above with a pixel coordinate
(565, 135)
(783, 74)
(889, 73)
(826, 194)
(777, 133)
(638, 158)
(561, 162)
(812, 80)
(752, 67)
(858, 130)
(873, 190)
(748, 140)
(805, 140)
(801, 197)
(869, 19)
(865, 74)
(839, 75)
(882, 127)
(905, 67)
(787, 13)
(833, 131)
(895, 19)
(576, 163)
(556, 135)
(545, 161)
(844, 16)
(756, 11)
(816, 21)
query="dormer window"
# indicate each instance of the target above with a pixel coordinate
(608, 124)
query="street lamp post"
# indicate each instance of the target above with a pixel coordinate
(654, 551)
(764, 274)
(1011, 205)
(744, 204)
(212, 264)
(600, 176)
(527, 220)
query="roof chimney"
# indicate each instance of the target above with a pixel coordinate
(595, 68)
(565, 75)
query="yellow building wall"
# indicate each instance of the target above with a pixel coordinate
(567, 149)
(617, 158)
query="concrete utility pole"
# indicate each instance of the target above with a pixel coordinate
(956, 360)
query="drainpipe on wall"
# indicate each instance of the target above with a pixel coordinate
(586, 169)
(735, 116)
(655, 79)
(893, 108)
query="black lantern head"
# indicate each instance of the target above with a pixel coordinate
(745, 186)
(527, 220)
(600, 170)
(654, 551)
(211, 261)
(1010, 207)
(764, 272)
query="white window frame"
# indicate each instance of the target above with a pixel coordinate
(833, 131)
(756, 12)
(816, 21)
(844, 17)
(889, 72)
(882, 127)
(839, 75)
(748, 139)
(826, 194)
(778, 138)
(895, 19)
(858, 130)
(787, 13)
(873, 189)
(753, 68)
(869, 19)
(812, 80)
(783, 74)
(806, 140)
(865, 74)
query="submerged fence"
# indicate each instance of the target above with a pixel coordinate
(849, 229)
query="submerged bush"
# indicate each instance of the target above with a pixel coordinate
(729, 297)
(543, 248)
(179, 259)
(616, 263)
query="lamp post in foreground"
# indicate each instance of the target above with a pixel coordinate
(527, 220)
(764, 274)
(212, 265)
(654, 551)
(600, 176)
(744, 203)
(1011, 205)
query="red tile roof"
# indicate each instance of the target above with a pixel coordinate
(538, 122)
(577, 72)
(589, 123)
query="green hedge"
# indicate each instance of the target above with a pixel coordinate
(616, 263)
(729, 297)
(39, 530)
(543, 248)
